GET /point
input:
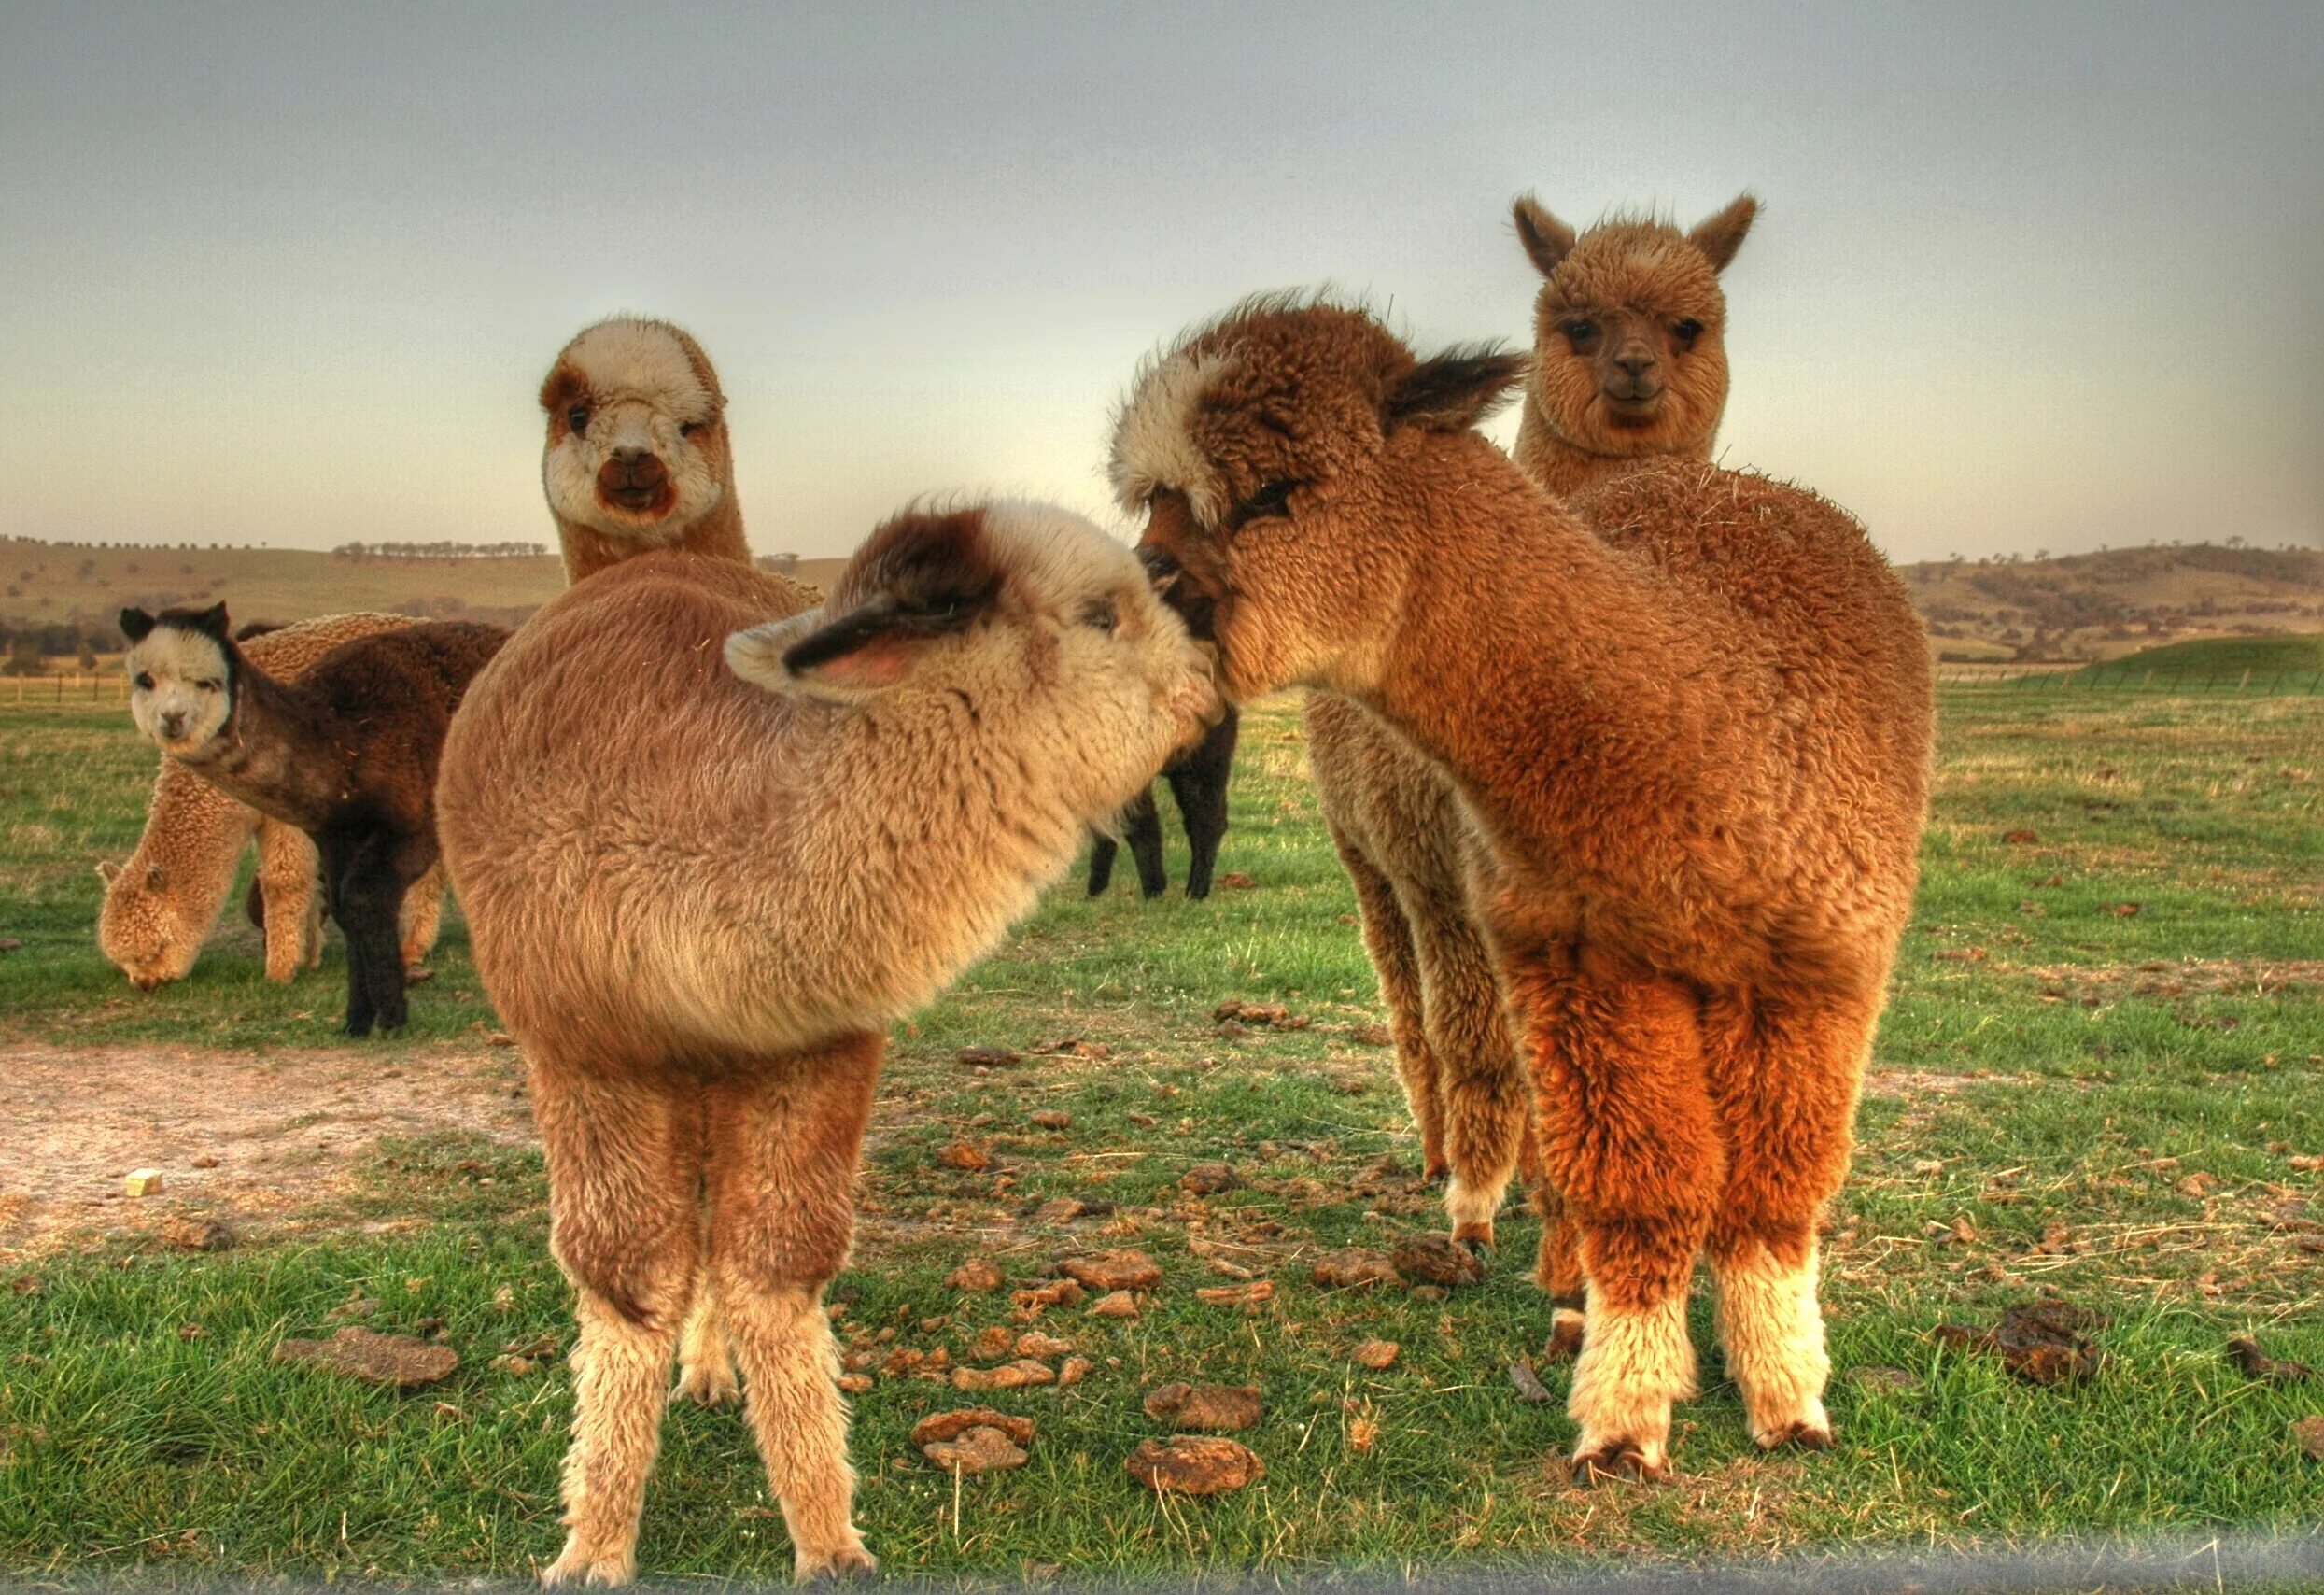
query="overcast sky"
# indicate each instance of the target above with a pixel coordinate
(2027, 275)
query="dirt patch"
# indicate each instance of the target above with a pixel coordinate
(285, 1128)
(2203, 977)
(1914, 1083)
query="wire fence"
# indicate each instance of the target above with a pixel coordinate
(106, 686)
(2160, 681)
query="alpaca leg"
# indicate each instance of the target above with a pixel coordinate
(706, 1372)
(1628, 1137)
(421, 915)
(289, 901)
(1103, 852)
(1484, 1102)
(1784, 1073)
(624, 1225)
(784, 1148)
(1387, 937)
(1141, 827)
(1558, 1269)
(1201, 789)
(366, 893)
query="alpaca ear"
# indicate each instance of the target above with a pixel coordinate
(108, 871)
(1719, 236)
(1454, 391)
(155, 877)
(212, 620)
(1545, 238)
(137, 625)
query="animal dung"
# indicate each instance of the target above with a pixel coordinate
(973, 1440)
(1354, 1266)
(1377, 1355)
(1221, 1409)
(976, 1276)
(1114, 1271)
(2043, 1343)
(1437, 1260)
(1195, 1464)
(396, 1360)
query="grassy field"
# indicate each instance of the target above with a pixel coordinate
(2105, 1055)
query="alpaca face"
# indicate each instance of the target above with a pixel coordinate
(181, 678)
(637, 437)
(1263, 453)
(142, 928)
(1629, 330)
(1047, 632)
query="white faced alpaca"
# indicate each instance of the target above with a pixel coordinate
(637, 453)
(180, 684)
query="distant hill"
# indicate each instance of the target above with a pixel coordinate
(2079, 607)
(56, 585)
(2101, 606)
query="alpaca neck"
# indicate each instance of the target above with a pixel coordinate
(717, 534)
(1561, 467)
(276, 750)
(1547, 673)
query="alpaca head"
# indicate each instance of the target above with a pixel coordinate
(1045, 632)
(181, 676)
(637, 442)
(1629, 330)
(142, 928)
(1264, 452)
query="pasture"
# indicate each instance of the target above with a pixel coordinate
(2101, 1077)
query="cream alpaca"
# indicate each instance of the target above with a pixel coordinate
(1689, 719)
(161, 905)
(709, 850)
(1628, 362)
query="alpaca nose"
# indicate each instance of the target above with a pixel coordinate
(1638, 361)
(633, 470)
(173, 725)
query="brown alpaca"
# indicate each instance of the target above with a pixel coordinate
(710, 849)
(348, 752)
(638, 456)
(1689, 717)
(1628, 361)
(159, 906)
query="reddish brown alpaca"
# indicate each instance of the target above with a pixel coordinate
(1690, 717)
(1628, 362)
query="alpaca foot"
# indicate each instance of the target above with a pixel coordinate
(709, 1383)
(1620, 1458)
(415, 974)
(577, 1564)
(1477, 1239)
(830, 1567)
(1810, 1431)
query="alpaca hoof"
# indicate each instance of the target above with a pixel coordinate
(848, 1561)
(1807, 1435)
(576, 1566)
(416, 974)
(1435, 1174)
(1617, 1462)
(356, 1027)
(707, 1386)
(1476, 1239)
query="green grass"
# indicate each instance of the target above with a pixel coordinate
(2054, 1070)
(2207, 657)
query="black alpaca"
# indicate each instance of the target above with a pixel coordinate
(1198, 780)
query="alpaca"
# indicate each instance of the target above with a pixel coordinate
(638, 456)
(1688, 716)
(701, 885)
(159, 906)
(1198, 780)
(1628, 362)
(348, 752)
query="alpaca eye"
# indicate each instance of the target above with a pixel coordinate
(1101, 613)
(1581, 335)
(1688, 330)
(578, 419)
(145, 682)
(1272, 500)
(687, 429)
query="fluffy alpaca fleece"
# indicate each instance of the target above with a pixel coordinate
(709, 849)
(637, 457)
(348, 752)
(1688, 719)
(1198, 780)
(162, 904)
(1629, 363)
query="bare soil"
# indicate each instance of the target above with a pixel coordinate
(286, 1128)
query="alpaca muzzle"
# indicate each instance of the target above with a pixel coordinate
(635, 480)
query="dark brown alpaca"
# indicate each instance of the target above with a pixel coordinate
(347, 753)
(1628, 362)
(1689, 716)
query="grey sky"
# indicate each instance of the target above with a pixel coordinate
(2027, 275)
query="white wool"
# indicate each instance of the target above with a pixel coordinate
(1154, 447)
